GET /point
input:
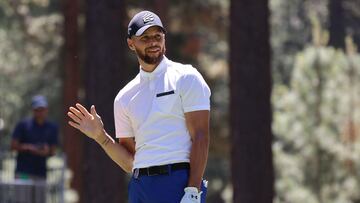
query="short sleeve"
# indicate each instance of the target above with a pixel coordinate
(194, 92)
(122, 121)
(18, 132)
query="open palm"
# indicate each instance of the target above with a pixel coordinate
(89, 123)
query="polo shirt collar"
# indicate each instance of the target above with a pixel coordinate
(157, 71)
(37, 124)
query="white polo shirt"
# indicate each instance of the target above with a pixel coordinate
(151, 109)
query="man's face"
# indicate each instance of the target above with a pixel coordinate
(150, 46)
(40, 113)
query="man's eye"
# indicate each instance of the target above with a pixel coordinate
(158, 37)
(145, 38)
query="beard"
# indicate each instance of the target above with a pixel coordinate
(150, 59)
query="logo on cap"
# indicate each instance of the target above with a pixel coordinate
(148, 18)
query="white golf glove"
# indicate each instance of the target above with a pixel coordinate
(191, 195)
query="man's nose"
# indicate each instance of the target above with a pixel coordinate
(152, 40)
(152, 44)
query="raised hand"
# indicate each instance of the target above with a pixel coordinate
(88, 123)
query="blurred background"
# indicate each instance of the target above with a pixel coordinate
(284, 75)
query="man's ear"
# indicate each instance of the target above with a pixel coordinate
(130, 43)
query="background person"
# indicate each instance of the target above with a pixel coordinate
(34, 139)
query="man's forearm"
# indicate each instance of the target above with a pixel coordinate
(198, 159)
(116, 152)
(24, 147)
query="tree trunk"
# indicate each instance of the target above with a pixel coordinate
(72, 141)
(106, 73)
(336, 21)
(352, 19)
(250, 107)
(161, 7)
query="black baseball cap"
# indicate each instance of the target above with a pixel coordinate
(142, 21)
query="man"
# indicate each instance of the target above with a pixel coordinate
(34, 139)
(161, 120)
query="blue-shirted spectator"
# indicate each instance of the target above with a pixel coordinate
(35, 139)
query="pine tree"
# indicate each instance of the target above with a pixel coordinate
(317, 147)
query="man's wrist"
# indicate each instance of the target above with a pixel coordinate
(195, 184)
(103, 139)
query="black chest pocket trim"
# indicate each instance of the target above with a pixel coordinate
(165, 93)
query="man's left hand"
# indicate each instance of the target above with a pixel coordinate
(191, 195)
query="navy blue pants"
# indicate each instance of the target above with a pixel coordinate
(167, 188)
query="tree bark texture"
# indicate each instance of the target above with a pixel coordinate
(72, 141)
(106, 73)
(337, 26)
(250, 106)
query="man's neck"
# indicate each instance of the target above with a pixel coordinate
(148, 67)
(40, 121)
